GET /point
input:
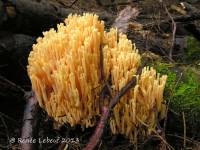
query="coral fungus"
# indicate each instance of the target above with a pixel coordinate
(64, 68)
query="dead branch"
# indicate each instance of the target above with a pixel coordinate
(173, 31)
(94, 140)
(106, 112)
(29, 120)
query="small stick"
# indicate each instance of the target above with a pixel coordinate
(164, 141)
(73, 3)
(186, 138)
(6, 128)
(94, 140)
(101, 64)
(184, 131)
(159, 136)
(173, 32)
(12, 84)
(183, 19)
(29, 120)
(106, 112)
(9, 118)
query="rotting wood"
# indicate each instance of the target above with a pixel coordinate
(49, 13)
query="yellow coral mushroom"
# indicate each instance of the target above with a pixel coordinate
(64, 68)
(141, 107)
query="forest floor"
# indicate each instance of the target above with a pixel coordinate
(167, 32)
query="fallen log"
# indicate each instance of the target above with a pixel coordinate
(34, 17)
(50, 11)
(14, 51)
(15, 44)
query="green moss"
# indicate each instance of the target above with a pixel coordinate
(182, 90)
(186, 96)
(193, 49)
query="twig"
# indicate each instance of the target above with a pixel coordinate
(164, 141)
(184, 131)
(187, 139)
(4, 147)
(165, 121)
(109, 89)
(6, 128)
(106, 112)
(73, 3)
(186, 19)
(12, 84)
(173, 31)
(29, 120)
(165, 54)
(9, 118)
(172, 111)
(94, 140)
(157, 135)
(100, 145)
(179, 79)
(123, 91)
(101, 64)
